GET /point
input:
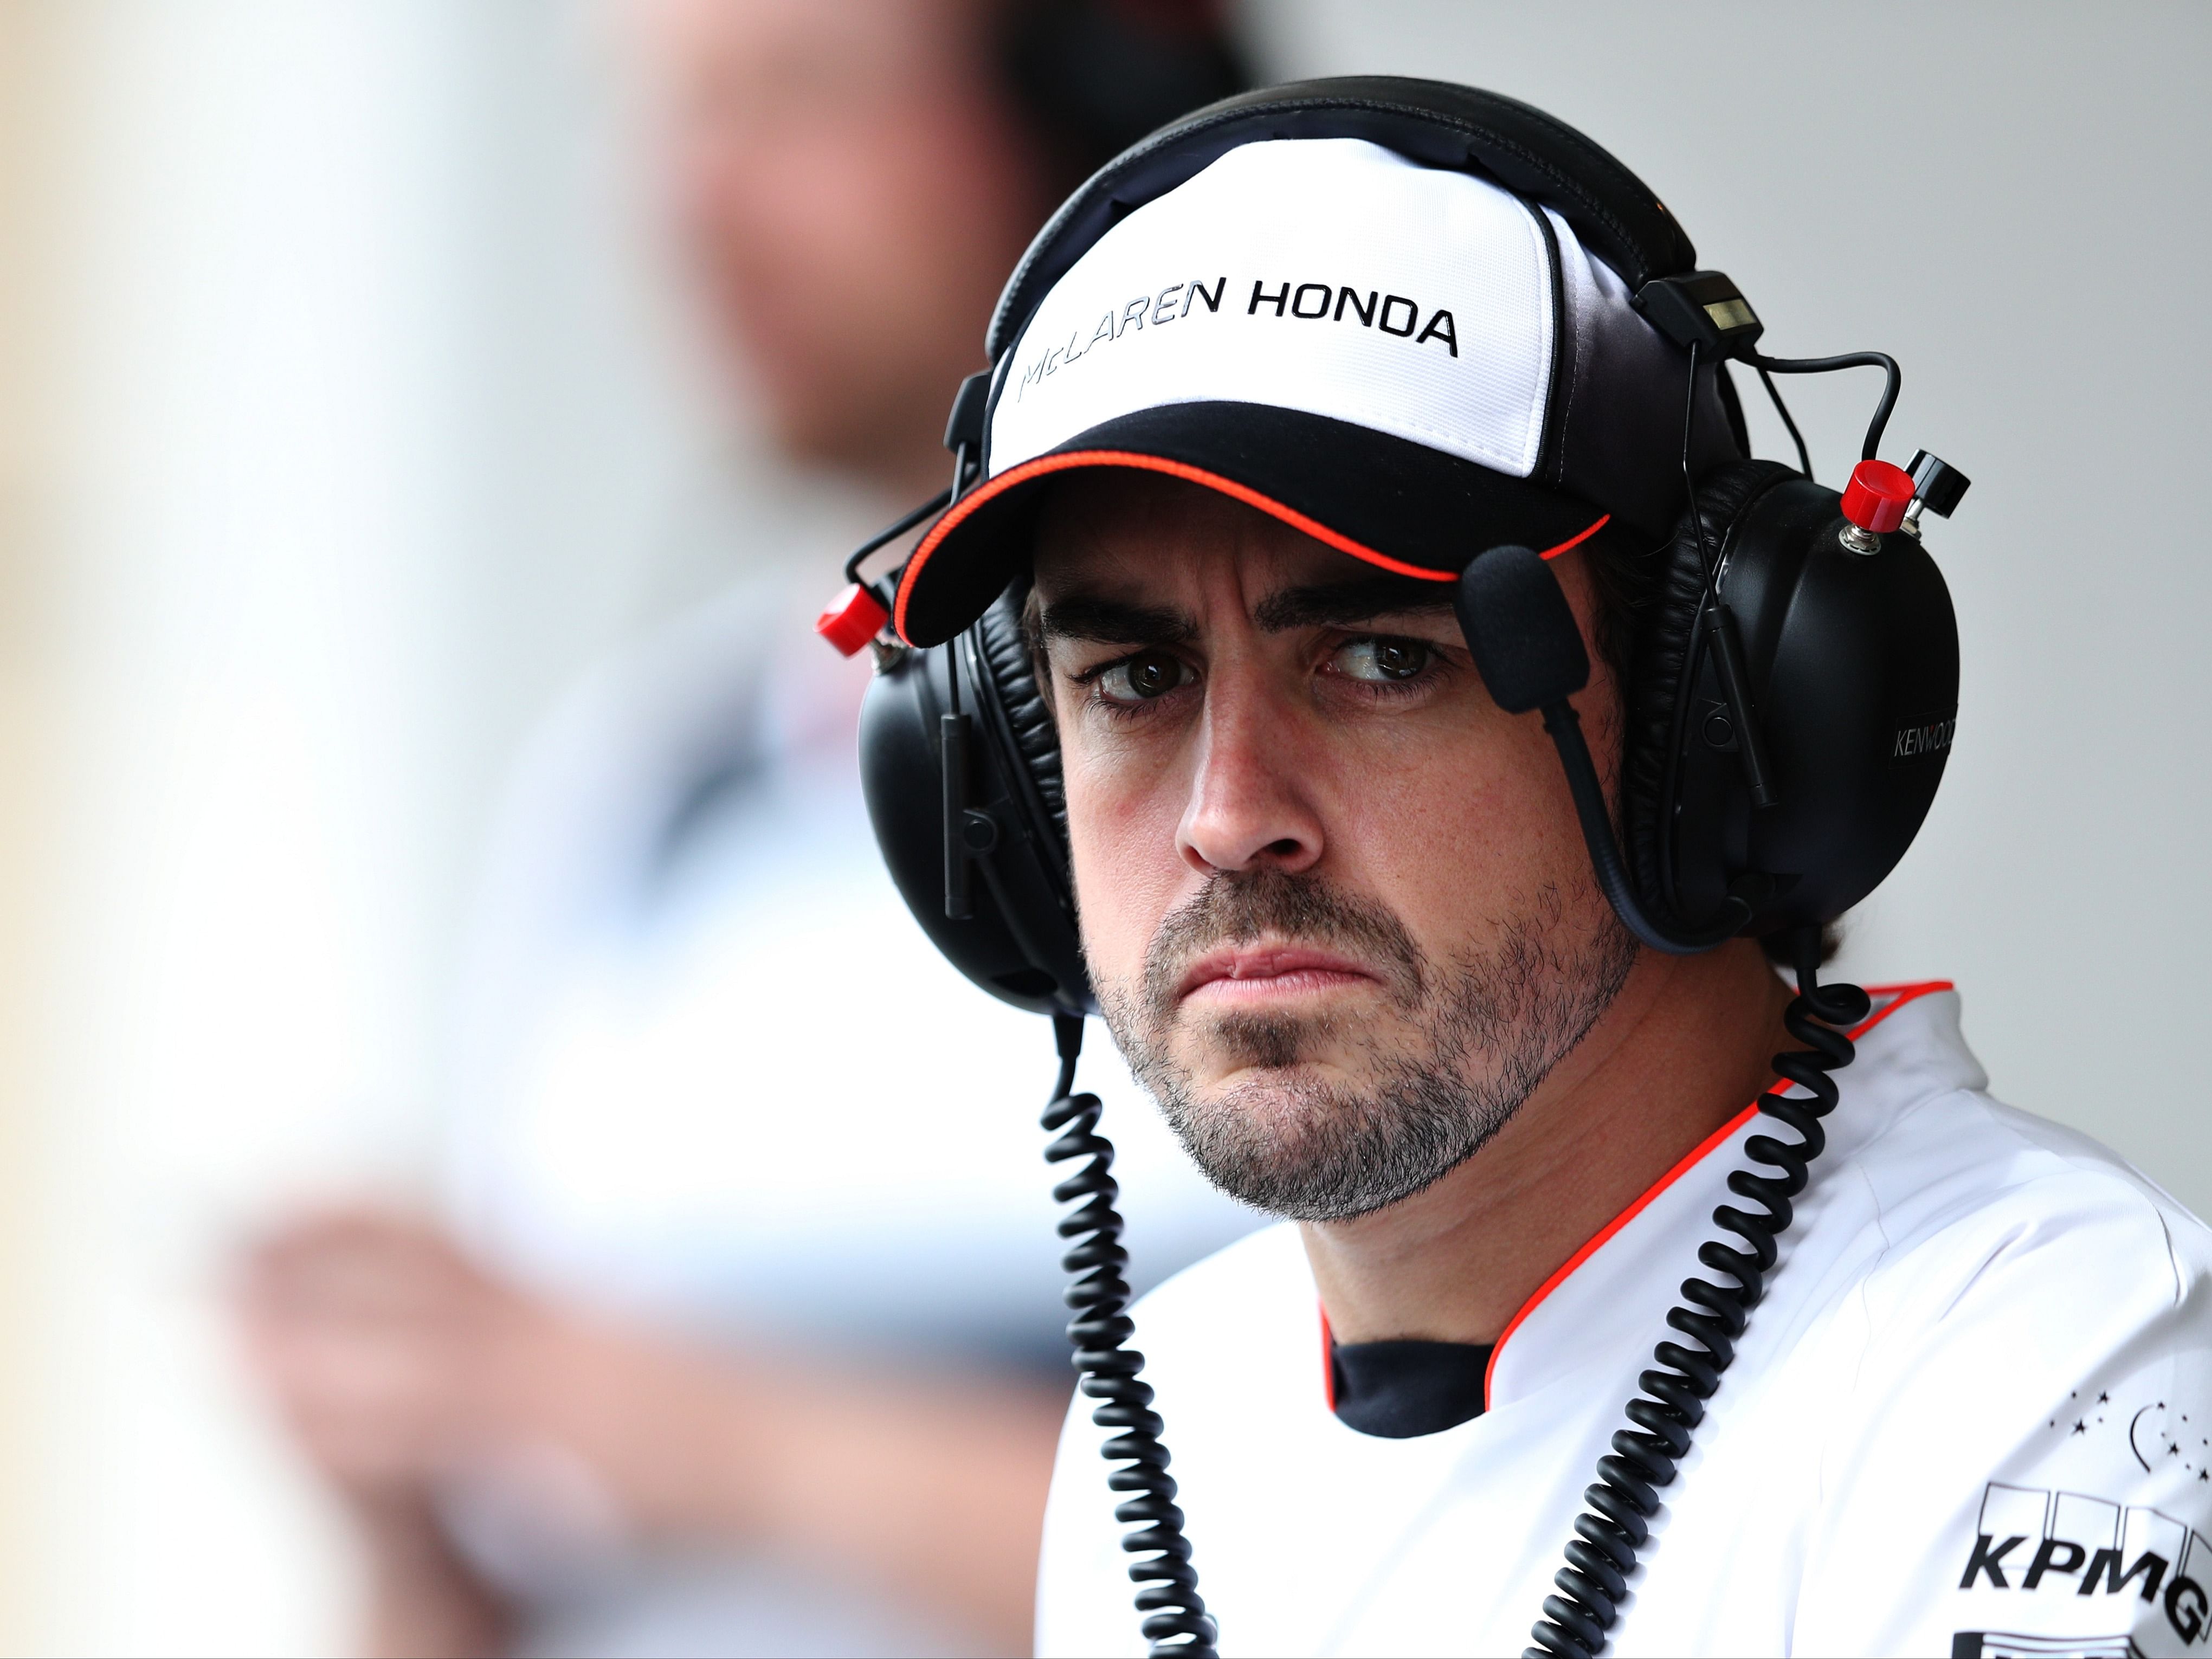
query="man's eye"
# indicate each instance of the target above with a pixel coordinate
(1378, 660)
(1141, 679)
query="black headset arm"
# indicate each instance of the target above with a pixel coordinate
(1528, 650)
(1565, 727)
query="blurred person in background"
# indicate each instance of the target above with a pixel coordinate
(735, 1338)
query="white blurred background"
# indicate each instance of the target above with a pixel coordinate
(344, 417)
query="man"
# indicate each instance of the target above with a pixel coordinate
(1339, 914)
(704, 1376)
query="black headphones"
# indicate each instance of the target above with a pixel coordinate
(1795, 673)
(1790, 703)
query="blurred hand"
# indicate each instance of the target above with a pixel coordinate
(408, 1372)
(373, 1334)
(400, 1364)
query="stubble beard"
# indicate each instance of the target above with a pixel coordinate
(1475, 1036)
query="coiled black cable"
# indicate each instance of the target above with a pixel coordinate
(1614, 1528)
(1176, 1621)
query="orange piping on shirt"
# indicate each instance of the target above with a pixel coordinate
(1328, 1362)
(1900, 994)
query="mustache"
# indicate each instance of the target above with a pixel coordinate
(1242, 909)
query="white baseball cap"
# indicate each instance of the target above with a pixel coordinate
(1410, 363)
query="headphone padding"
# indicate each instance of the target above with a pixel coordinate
(1006, 656)
(1664, 650)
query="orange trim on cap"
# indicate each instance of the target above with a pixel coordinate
(1900, 994)
(1576, 540)
(956, 514)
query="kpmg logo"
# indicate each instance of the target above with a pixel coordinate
(2053, 1541)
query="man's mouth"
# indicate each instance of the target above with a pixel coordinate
(1248, 975)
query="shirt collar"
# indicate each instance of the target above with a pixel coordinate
(1603, 1299)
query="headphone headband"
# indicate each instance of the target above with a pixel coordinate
(1433, 122)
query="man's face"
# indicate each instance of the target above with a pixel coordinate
(1333, 899)
(851, 192)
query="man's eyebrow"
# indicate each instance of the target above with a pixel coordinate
(1337, 603)
(1113, 622)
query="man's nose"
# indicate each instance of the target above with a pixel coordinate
(1250, 802)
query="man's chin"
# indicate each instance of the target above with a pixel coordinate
(1311, 1141)
(1267, 1090)
(1310, 1045)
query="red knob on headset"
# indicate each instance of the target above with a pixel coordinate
(1877, 496)
(851, 619)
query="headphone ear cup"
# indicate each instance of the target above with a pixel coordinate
(1032, 734)
(1018, 938)
(1852, 663)
(1665, 659)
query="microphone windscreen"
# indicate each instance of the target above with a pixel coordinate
(1521, 629)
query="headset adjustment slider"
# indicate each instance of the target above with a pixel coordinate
(1701, 309)
(964, 427)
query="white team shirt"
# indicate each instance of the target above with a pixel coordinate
(1973, 1416)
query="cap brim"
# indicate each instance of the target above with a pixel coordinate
(1392, 502)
